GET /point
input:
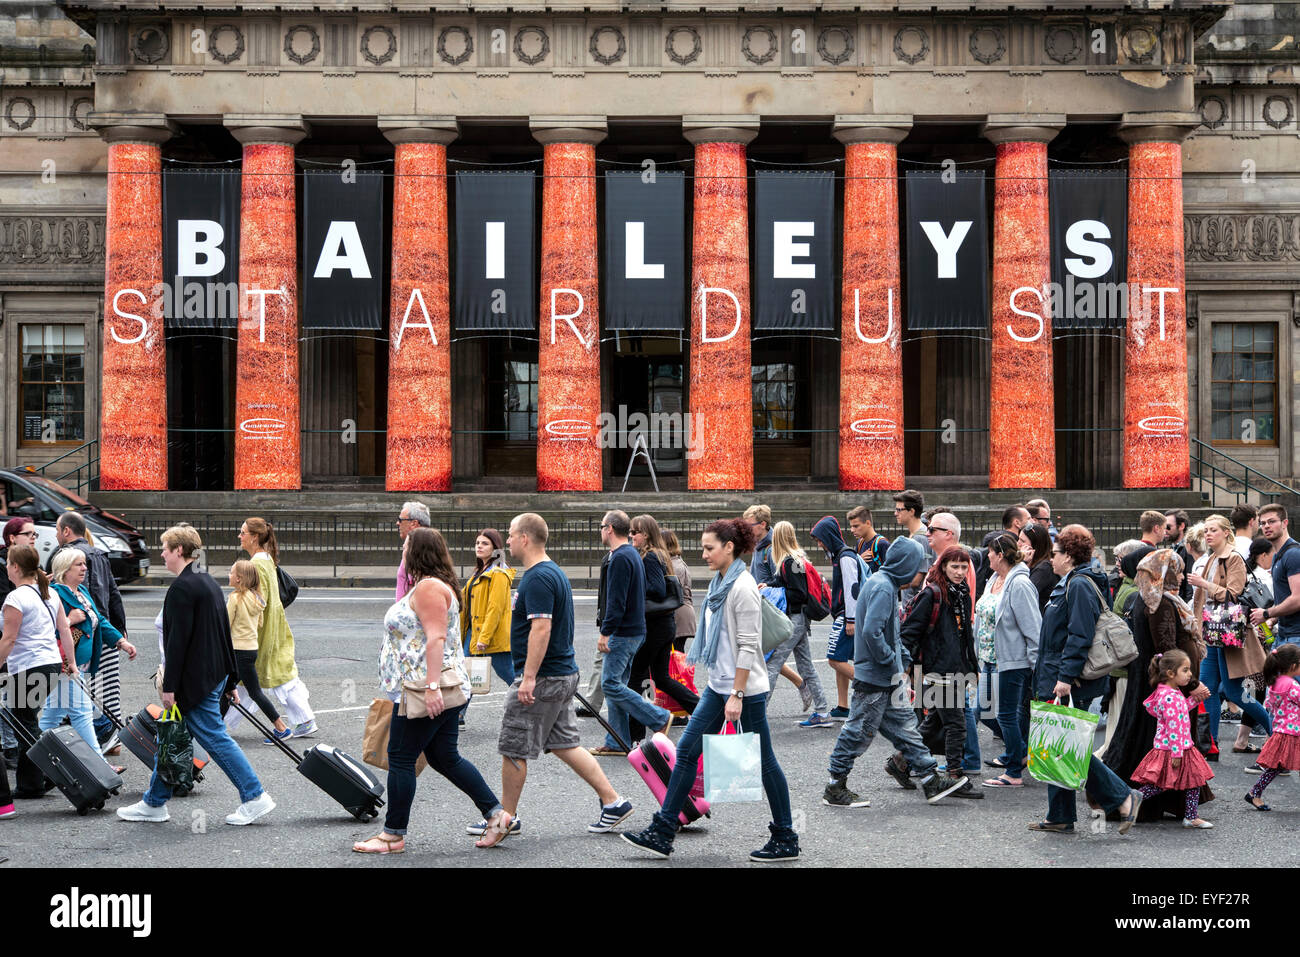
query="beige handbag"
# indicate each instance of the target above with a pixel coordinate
(413, 706)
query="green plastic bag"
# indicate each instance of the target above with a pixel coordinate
(175, 751)
(1060, 743)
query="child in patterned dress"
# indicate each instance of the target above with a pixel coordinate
(1282, 752)
(1173, 763)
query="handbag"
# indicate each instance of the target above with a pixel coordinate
(777, 627)
(287, 586)
(413, 705)
(733, 768)
(670, 602)
(1060, 743)
(1112, 643)
(374, 739)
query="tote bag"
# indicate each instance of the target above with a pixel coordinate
(733, 768)
(1060, 743)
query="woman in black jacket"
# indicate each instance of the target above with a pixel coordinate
(1036, 545)
(652, 658)
(940, 640)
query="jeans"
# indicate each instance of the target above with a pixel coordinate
(68, 700)
(435, 738)
(27, 690)
(803, 663)
(1214, 675)
(1103, 784)
(205, 724)
(623, 701)
(708, 719)
(872, 712)
(245, 664)
(971, 753)
(1013, 716)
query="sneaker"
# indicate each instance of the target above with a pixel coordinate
(806, 697)
(284, 735)
(839, 714)
(968, 791)
(305, 730)
(1227, 714)
(1253, 768)
(7, 811)
(940, 786)
(837, 794)
(1197, 822)
(899, 772)
(653, 839)
(250, 811)
(582, 712)
(777, 848)
(1258, 732)
(139, 811)
(479, 829)
(816, 720)
(611, 817)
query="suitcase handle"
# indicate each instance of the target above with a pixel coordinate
(18, 728)
(605, 724)
(91, 695)
(269, 732)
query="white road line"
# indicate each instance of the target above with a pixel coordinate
(366, 707)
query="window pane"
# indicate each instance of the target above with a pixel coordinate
(1221, 367)
(1241, 367)
(1242, 340)
(1263, 367)
(32, 339)
(759, 373)
(32, 398)
(32, 366)
(1263, 396)
(1264, 428)
(1222, 337)
(74, 338)
(73, 369)
(1221, 397)
(52, 368)
(1241, 397)
(1223, 426)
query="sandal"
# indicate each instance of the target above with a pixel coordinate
(604, 752)
(386, 845)
(1062, 828)
(498, 829)
(1248, 749)
(1002, 781)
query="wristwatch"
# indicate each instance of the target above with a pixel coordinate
(737, 693)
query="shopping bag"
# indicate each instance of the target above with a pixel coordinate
(733, 768)
(374, 742)
(175, 751)
(683, 674)
(697, 789)
(1060, 743)
(480, 675)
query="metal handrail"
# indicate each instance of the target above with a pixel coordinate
(92, 460)
(1246, 486)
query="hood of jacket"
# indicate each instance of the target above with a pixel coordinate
(903, 560)
(827, 532)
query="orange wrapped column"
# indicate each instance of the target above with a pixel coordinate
(871, 338)
(267, 441)
(721, 394)
(133, 386)
(1155, 372)
(568, 364)
(419, 349)
(1022, 421)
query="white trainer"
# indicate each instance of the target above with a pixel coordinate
(250, 811)
(139, 811)
(1197, 822)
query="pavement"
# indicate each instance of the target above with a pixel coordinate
(338, 635)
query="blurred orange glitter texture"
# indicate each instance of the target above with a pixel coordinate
(1022, 425)
(721, 394)
(419, 359)
(133, 403)
(1155, 374)
(266, 387)
(568, 366)
(871, 356)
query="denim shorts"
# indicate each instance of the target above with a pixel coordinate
(839, 647)
(547, 724)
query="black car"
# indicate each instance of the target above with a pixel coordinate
(27, 493)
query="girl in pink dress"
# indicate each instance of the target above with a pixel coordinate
(1282, 752)
(1173, 763)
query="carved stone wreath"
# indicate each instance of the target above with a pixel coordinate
(378, 59)
(76, 118)
(28, 120)
(1268, 112)
(1140, 44)
(234, 54)
(747, 49)
(980, 50)
(302, 59)
(607, 58)
(922, 39)
(142, 35)
(823, 46)
(697, 46)
(1063, 44)
(464, 54)
(540, 55)
(1208, 117)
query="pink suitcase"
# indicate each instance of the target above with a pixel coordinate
(654, 761)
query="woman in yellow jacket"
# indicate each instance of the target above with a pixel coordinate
(485, 605)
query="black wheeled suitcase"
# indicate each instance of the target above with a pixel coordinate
(337, 773)
(76, 768)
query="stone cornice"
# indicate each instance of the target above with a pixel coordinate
(51, 246)
(1242, 237)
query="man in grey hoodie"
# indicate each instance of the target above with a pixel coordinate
(881, 702)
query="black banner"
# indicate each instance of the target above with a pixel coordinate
(794, 249)
(1089, 212)
(200, 210)
(947, 251)
(645, 251)
(343, 249)
(496, 276)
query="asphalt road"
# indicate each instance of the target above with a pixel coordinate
(338, 634)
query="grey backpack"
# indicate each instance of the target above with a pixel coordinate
(1112, 642)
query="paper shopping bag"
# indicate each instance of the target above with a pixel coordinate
(374, 744)
(1060, 743)
(733, 768)
(480, 675)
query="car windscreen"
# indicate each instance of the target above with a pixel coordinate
(57, 492)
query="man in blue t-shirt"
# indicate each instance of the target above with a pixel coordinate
(539, 705)
(1285, 610)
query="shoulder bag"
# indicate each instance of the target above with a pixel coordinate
(413, 704)
(288, 587)
(670, 602)
(1112, 643)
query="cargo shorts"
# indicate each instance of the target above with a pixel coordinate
(548, 724)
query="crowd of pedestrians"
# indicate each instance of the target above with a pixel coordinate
(928, 638)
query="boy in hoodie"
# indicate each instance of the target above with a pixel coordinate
(880, 700)
(847, 572)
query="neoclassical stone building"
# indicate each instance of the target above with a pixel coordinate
(1193, 106)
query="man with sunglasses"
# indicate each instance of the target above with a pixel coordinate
(412, 516)
(1041, 513)
(1285, 610)
(908, 506)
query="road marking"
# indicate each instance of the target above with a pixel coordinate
(366, 707)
